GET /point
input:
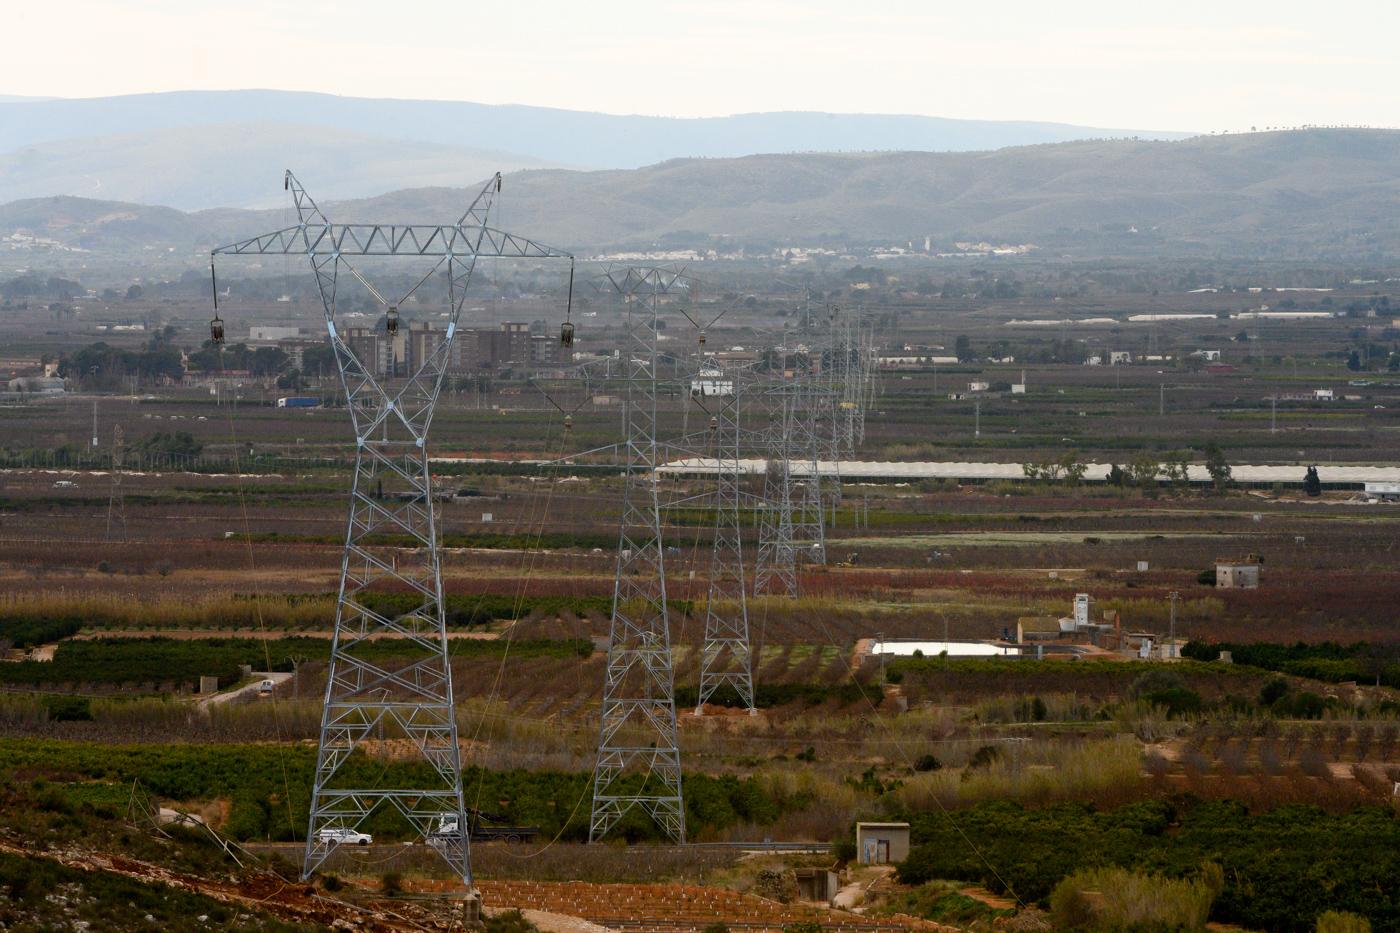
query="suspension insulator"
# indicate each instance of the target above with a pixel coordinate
(566, 335)
(216, 331)
(391, 321)
(714, 423)
(702, 338)
(568, 423)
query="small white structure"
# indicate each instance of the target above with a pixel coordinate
(712, 381)
(978, 386)
(268, 332)
(1207, 355)
(882, 843)
(1236, 575)
(1323, 395)
(1119, 357)
(1018, 388)
(905, 648)
(1387, 491)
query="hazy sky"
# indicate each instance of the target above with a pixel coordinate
(1227, 64)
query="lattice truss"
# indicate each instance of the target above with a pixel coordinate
(815, 398)
(638, 759)
(726, 657)
(410, 696)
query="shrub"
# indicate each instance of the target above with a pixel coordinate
(391, 883)
(803, 926)
(719, 926)
(1274, 689)
(1339, 921)
(508, 921)
(1115, 898)
(984, 757)
(1176, 701)
(927, 762)
(332, 883)
(1156, 680)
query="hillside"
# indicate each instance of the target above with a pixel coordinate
(552, 135)
(239, 164)
(1315, 193)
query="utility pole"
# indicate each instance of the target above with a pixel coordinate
(1173, 597)
(391, 421)
(1161, 398)
(977, 419)
(1273, 414)
(880, 640)
(116, 505)
(94, 426)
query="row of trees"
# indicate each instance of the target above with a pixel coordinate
(1146, 471)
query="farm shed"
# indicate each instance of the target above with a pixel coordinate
(1236, 575)
(881, 843)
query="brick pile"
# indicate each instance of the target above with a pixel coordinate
(666, 908)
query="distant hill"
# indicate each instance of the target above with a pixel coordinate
(240, 165)
(560, 136)
(1300, 194)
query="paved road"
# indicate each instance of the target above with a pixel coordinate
(252, 688)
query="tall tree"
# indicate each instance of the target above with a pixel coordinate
(1216, 465)
(1312, 485)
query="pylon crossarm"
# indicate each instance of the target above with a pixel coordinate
(448, 241)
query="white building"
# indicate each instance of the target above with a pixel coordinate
(712, 380)
(270, 333)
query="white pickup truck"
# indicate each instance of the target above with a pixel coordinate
(344, 837)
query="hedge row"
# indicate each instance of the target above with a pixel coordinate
(270, 788)
(169, 660)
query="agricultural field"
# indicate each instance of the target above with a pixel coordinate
(222, 559)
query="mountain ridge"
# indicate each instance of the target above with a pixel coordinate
(1313, 193)
(549, 134)
(225, 165)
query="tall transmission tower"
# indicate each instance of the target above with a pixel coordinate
(639, 763)
(391, 494)
(776, 570)
(727, 655)
(116, 505)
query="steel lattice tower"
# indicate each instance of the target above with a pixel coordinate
(116, 504)
(391, 494)
(726, 608)
(791, 518)
(638, 759)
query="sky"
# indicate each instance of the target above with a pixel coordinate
(1191, 66)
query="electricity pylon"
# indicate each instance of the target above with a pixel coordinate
(791, 517)
(639, 762)
(391, 494)
(116, 505)
(727, 656)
